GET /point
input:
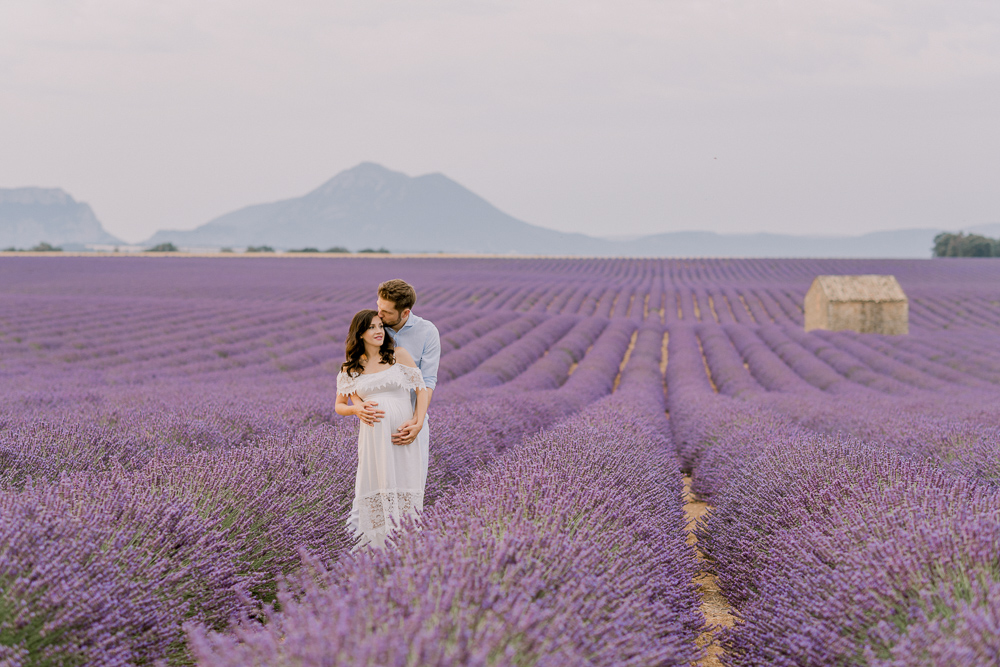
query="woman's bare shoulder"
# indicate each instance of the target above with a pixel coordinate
(404, 357)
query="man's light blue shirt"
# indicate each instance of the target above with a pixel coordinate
(422, 340)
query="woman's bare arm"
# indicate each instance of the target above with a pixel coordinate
(367, 411)
(344, 405)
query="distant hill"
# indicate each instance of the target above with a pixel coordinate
(991, 230)
(370, 206)
(29, 216)
(903, 243)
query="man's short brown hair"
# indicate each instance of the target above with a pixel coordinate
(400, 292)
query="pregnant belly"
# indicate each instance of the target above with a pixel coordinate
(396, 405)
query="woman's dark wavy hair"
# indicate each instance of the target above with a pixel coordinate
(356, 347)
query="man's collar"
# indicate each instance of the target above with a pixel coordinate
(410, 321)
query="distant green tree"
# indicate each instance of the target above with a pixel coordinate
(941, 243)
(163, 247)
(337, 248)
(965, 245)
(226, 249)
(45, 247)
(259, 248)
(977, 246)
(10, 249)
(369, 250)
(305, 250)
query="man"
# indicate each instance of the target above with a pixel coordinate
(420, 337)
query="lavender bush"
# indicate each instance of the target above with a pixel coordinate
(103, 571)
(842, 553)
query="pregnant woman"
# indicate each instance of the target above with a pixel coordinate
(391, 478)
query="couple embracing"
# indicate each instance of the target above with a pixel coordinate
(387, 381)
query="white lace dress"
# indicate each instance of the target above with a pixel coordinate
(391, 478)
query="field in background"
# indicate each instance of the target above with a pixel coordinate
(170, 459)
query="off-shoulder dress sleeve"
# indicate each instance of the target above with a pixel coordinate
(412, 378)
(346, 385)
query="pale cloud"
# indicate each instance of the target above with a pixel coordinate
(601, 117)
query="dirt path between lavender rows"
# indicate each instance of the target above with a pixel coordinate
(714, 605)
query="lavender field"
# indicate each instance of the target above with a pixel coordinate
(174, 480)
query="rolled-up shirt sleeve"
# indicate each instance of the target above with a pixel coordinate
(431, 356)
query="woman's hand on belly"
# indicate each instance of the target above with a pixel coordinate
(407, 432)
(369, 413)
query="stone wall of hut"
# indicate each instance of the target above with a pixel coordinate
(888, 317)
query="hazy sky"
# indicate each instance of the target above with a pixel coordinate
(819, 116)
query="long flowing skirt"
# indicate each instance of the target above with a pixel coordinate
(391, 478)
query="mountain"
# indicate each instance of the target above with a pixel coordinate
(903, 243)
(370, 206)
(29, 216)
(992, 230)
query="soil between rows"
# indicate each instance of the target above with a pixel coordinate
(714, 605)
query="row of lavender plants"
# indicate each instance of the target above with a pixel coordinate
(834, 549)
(210, 501)
(142, 290)
(827, 383)
(837, 551)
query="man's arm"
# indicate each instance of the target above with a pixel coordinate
(431, 358)
(429, 361)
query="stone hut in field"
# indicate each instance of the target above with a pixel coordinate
(866, 304)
